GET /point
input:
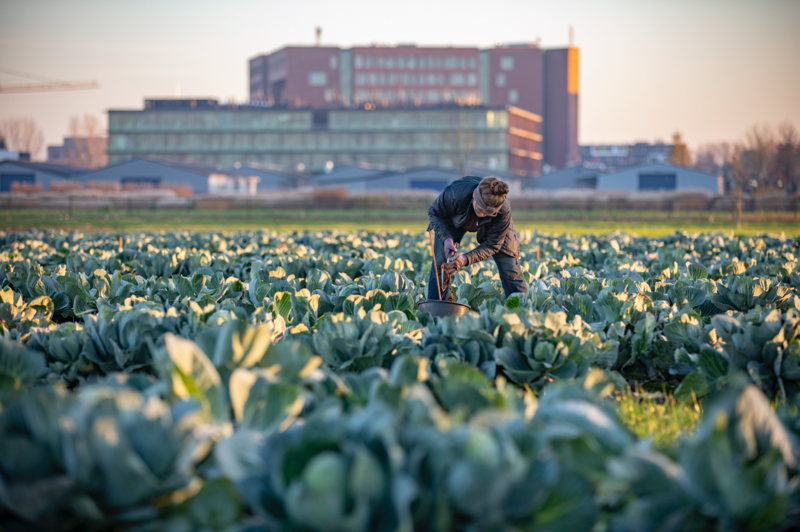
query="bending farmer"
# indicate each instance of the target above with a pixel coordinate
(473, 204)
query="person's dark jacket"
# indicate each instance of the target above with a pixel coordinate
(451, 208)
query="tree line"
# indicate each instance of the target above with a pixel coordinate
(87, 149)
(766, 159)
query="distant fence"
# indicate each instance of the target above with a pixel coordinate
(676, 200)
(308, 199)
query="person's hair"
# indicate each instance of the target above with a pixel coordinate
(493, 191)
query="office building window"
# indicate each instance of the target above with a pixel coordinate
(412, 62)
(359, 61)
(473, 63)
(456, 79)
(507, 63)
(334, 62)
(361, 78)
(501, 80)
(472, 80)
(369, 62)
(390, 62)
(317, 79)
(513, 96)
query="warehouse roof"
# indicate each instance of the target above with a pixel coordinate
(61, 170)
(349, 174)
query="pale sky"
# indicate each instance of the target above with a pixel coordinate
(707, 68)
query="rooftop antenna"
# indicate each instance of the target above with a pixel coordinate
(571, 36)
(319, 35)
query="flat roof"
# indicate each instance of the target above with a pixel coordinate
(255, 106)
(58, 169)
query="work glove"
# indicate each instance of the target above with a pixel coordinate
(450, 248)
(455, 264)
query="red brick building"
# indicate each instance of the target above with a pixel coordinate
(543, 82)
(561, 110)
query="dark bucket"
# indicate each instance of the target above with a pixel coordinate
(441, 309)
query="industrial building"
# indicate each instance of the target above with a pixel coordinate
(34, 174)
(541, 81)
(146, 174)
(6, 154)
(613, 157)
(660, 176)
(642, 178)
(270, 177)
(203, 131)
(79, 151)
(365, 179)
(573, 177)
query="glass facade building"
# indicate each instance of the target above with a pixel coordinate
(523, 75)
(502, 138)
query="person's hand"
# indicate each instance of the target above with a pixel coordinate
(450, 248)
(454, 265)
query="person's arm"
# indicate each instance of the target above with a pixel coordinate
(493, 243)
(439, 214)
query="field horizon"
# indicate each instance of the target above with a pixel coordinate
(655, 224)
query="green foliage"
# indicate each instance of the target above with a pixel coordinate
(288, 382)
(536, 345)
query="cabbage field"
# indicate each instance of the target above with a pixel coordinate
(186, 381)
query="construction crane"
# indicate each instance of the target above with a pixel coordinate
(45, 84)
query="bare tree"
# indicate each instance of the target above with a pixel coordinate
(715, 158)
(22, 135)
(740, 173)
(705, 160)
(89, 148)
(786, 162)
(750, 164)
(680, 154)
(760, 144)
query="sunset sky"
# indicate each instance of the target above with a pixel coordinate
(707, 68)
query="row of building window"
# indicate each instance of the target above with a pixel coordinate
(498, 161)
(421, 96)
(259, 121)
(457, 79)
(442, 119)
(237, 142)
(423, 62)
